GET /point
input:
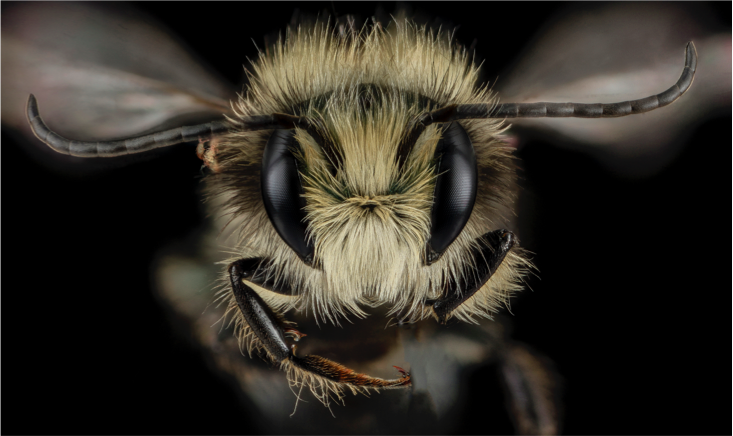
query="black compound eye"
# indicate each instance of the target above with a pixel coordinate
(281, 193)
(455, 190)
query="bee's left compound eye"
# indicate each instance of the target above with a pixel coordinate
(455, 190)
(282, 193)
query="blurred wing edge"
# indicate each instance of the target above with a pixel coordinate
(100, 72)
(616, 52)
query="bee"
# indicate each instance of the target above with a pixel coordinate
(288, 255)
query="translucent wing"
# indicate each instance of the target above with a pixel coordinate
(101, 71)
(616, 52)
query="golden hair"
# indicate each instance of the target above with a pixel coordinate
(363, 88)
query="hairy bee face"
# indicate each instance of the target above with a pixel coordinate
(366, 214)
(362, 203)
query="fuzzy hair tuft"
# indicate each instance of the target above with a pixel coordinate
(369, 221)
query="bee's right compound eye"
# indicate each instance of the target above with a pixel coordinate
(455, 190)
(282, 193)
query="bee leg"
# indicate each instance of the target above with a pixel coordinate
(532, 391)
(492, 249)
(261, 319)
(269, 329)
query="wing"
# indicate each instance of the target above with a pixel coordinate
(101, 71)
(616, 52)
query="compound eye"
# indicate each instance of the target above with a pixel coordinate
(281, 193)
(455, 190)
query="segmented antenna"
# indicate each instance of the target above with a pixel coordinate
(457, 112)
(283, 121)
(123, 146)
(576, 110)
(164, 138)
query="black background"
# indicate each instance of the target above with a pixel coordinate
(633, 305)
